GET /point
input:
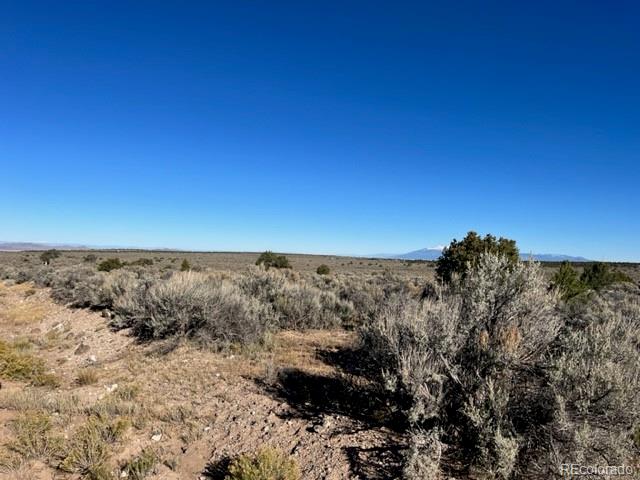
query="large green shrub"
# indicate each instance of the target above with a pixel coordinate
(460, 255)
(269, 259)
(595, 276)
(599, 275)
(49, 255)
(567, 281)
(142, 262)
(110, 264)
(323, 270)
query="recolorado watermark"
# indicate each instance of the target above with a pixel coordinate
(569, 470)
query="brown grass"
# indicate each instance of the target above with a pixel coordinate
(87, 376)
(33, 438)
(23, 313)
(17, 365)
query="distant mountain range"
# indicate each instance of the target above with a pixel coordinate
(435, 252)
(29, 246)
(24, 246)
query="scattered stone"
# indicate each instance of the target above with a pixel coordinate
(124, 474)
(157, 437)
(92, 359)
(82, 348)
(111, 388)
(321, 424)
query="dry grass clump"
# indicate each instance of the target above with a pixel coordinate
(112, 405)
(23, 313)
(18, 365)
(11, 463)
(141, 465)
(87, 376)
(127, 393)
(494, 373)
(33, 438)
(89, 449)
(30, 399)
(266, 464)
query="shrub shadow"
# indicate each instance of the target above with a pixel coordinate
(310, 395)
(348, 360)
(217, 470)
(376, 463)
(348, 392)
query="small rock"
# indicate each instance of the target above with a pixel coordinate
(111, 388)
(92, 359)
(157, 437)
(206, 429)
(321, 424)
(82, 348)
(124, 474)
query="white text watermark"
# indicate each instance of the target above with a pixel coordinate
(569, 470)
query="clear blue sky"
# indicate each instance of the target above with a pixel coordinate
(323, 127)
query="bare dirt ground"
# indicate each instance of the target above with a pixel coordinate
(193, 408)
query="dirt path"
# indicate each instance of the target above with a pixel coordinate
(194, 409)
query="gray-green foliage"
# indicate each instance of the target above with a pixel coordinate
(296, 304)
(196, 305)
(497, 373)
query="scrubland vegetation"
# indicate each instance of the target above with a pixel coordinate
(491, 368)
